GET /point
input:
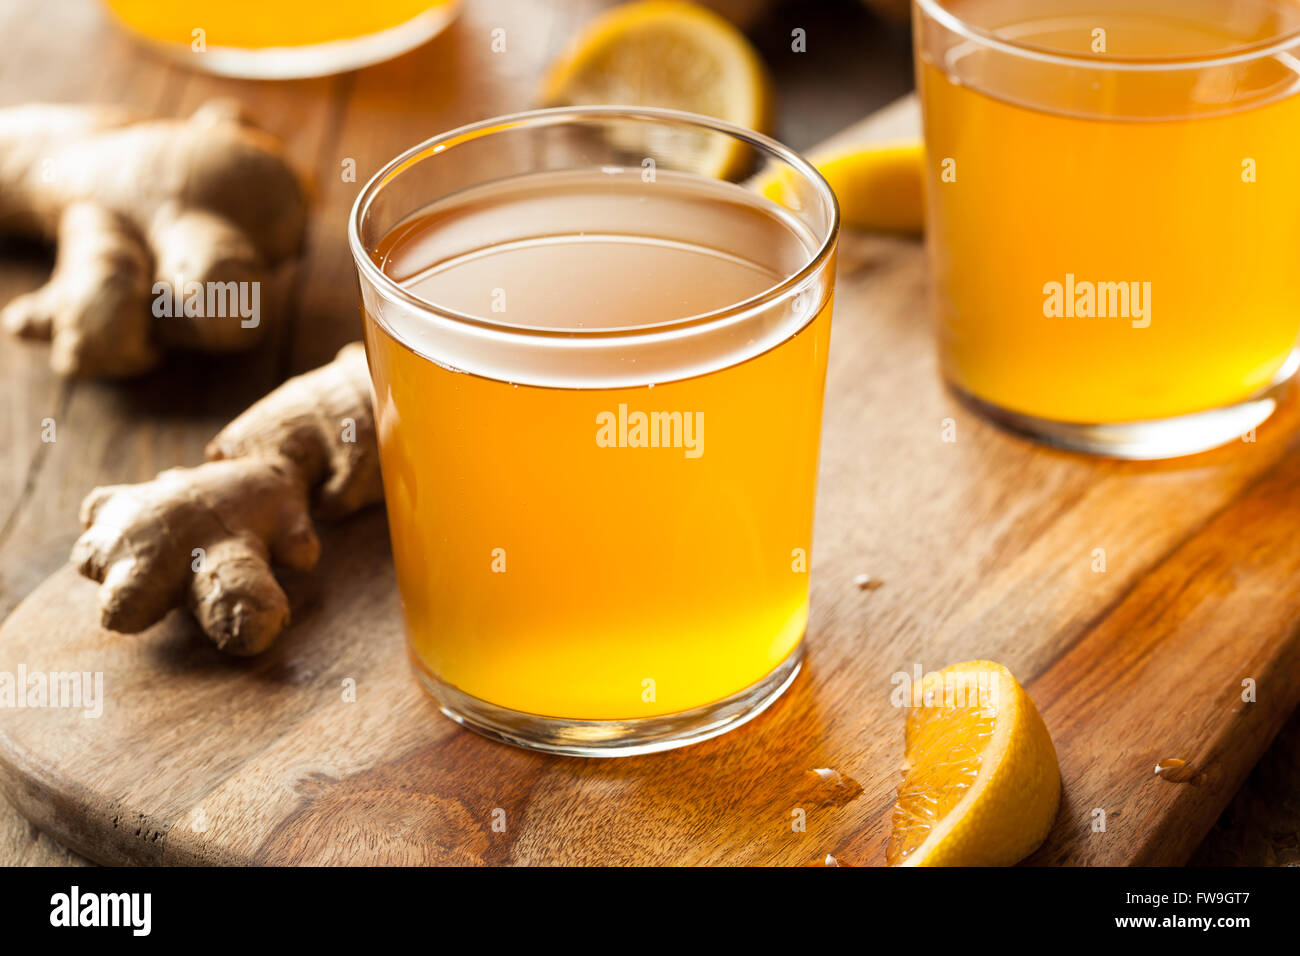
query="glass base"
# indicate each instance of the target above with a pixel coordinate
(318, 59)
(610, 738)
(1146, 440)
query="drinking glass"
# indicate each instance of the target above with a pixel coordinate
(1113, 214)
(597, 338)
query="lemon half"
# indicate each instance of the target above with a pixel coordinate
(669, 54)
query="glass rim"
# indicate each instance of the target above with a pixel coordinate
(1246, 53)
(386, 285)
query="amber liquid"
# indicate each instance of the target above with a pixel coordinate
(1190, 189)
(551, 560)
(259, 24)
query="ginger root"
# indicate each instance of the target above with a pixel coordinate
(189, 204)
(207, 537)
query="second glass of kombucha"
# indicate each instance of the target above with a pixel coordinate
(1114, 214)
(598, 347)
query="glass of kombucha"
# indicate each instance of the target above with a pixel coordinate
(283, 39)
(597, 338)
(1113, 214)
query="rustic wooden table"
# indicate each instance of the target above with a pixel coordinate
(70, 52)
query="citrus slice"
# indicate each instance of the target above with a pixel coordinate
(671, 54)
(879, 186)
(981, 784)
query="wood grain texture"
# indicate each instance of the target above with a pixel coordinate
(984, 546)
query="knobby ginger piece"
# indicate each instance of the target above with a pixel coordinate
(206, 538)
(131, 203)
(202, 538)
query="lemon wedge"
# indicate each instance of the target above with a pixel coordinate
(879, 186)
(671, 54)
(981, 785)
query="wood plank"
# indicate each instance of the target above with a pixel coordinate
(985, 547)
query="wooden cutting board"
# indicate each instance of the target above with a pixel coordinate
(1132, 599)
